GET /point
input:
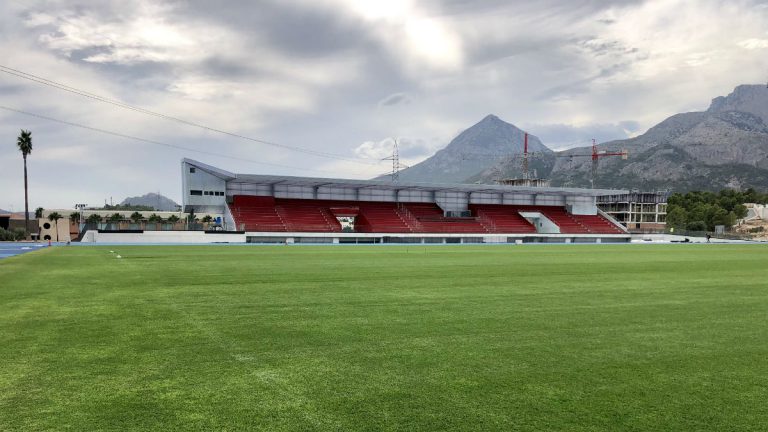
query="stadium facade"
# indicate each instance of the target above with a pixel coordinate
(285, 209)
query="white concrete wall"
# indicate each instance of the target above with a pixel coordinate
(669, 238)
(162, 237)
(296, 192)
(452, 201)
(336, 193)
(519, 199)
(542, 223)
(406, 195)
(240, 188)
(581, 205)
(373, 194)
(199, 180)
(550, 200)
(491, 238)
(485, 198)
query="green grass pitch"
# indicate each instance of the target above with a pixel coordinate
(556, 338)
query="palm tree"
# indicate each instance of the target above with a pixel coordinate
(74, 217)
(94, 218)
(206, 220)
(24, 141)
(115, 219)
(39, 213)
(155, 219)
(54, 217)
(172, 219)
(136, 217)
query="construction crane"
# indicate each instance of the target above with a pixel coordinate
(525, 156)
(596, 155)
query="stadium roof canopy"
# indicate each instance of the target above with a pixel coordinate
(388, 185)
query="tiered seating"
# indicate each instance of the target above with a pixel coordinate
(269, 214)
(380, 217)
(431, 220)
(306, 215)
(597, 224)
(256, 213)
(502, 218)
(561, 218)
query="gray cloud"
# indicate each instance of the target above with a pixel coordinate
(330, 75)
(564, 136)
(395, 99)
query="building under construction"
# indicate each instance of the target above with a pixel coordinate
(639, 212)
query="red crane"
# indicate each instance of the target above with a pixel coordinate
(524, 156)
(596, 155)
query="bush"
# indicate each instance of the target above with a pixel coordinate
(12, 235)
(19, 233)
(696, 226)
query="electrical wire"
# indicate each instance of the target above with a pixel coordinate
(40, 80)
(149, 141)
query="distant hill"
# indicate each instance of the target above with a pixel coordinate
(486, 143)
(725, 146)
(157, 201)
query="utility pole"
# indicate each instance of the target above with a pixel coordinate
(396, 165)
(80, 207)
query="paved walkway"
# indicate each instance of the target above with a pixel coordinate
(12, 249)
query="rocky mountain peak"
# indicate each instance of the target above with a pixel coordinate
(491, 118)
(749, 98)
(487, 141)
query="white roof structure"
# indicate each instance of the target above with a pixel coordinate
(388, 185)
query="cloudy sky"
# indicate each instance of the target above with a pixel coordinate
(337, 79)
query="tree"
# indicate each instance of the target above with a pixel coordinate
(54, 217)
(676, 217)
(740, 210)
(39, 213)
(136, 217)
(157, 220)
(24, 142)
(74, 217)
(94, 218)
(173, 219)
(115, 218)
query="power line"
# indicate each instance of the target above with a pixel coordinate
(40, 80)
(149, 141)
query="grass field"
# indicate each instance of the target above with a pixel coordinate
(570, 338)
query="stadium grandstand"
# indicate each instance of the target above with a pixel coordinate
(285, 209)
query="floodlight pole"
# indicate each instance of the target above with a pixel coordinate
(80, 207)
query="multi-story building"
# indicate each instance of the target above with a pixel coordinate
(638, 211)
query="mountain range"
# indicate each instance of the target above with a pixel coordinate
(157, 201)
(725, 146)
